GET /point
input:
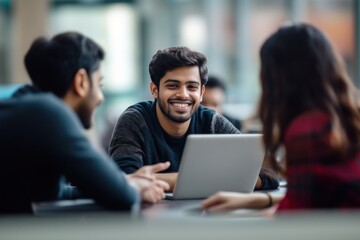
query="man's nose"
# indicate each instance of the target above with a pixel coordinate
(101, 97)
(182, 92)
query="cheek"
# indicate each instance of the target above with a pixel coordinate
(197, 96)
(163, 95)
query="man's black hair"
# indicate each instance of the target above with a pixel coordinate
(53, 63)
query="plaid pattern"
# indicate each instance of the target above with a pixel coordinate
(317, 176)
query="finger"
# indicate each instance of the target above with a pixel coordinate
(141, 179)
(211, 201)
(142, 173)
(219, 207)
(147, 197)
(158, 193)
(153, 195)
(159, 167)
(162, 184)
(145, 177)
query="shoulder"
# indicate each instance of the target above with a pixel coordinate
(222, 125)
(139, 110)
(143, 106)
(236, 122)
(308, 123)
(47, 115)
(137, 115)
(218, 123)
(39, 102)
(49, 104)
(25, 90)
(39, 107)
(205, 113)
(50, 111)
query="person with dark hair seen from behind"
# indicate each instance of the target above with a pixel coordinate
(42, 139)
(309, 106)
(214, 97)
(155, 131)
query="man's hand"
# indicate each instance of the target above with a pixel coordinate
(151, 189)
(169, 178)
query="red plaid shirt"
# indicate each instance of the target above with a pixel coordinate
(317, 177)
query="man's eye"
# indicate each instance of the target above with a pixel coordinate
(193, 87)
(171, 86)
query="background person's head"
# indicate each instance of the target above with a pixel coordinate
(300, 71)
(214, 95)
(178, 75)
(68, 65)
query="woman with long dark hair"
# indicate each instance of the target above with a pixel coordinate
(309, 106)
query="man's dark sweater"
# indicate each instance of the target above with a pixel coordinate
(139, 139)
(42, 140)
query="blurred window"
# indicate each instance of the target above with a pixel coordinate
(114, 25)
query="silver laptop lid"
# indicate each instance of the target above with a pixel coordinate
(218, 162)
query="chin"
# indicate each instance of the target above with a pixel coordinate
(86, 124)
(180, 119)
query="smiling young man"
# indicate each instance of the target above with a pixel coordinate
(155, 131)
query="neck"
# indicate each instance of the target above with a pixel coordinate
(172, 128)
(70, 101)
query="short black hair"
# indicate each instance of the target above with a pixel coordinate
(53, 63)
(215, 82)
(175, 57)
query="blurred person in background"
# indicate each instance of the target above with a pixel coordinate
(214, 98)
(42, 133)
(309, 106)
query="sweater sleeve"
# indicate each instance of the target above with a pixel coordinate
(127, 143)
(269, 180)
(79, 161)
(221, 125)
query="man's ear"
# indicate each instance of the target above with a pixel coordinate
(202, 93)
(81, 83)
(154, 90)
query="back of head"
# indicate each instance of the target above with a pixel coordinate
(301, 71)
(175, 57)
(52, 63)
(299, 67)
(215, 82)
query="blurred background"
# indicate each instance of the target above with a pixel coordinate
(228, 32)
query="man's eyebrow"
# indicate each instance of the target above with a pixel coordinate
(193, 82)
(171, 81)
(177, 81)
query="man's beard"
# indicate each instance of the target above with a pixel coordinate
(173, 117)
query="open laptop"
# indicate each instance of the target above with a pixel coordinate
(218, 162)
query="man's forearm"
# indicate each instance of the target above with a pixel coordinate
(170, 178)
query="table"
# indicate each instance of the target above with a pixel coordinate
(175, 220)
(164, 209)
(332, 225)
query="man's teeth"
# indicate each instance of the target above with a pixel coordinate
(180, 105)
